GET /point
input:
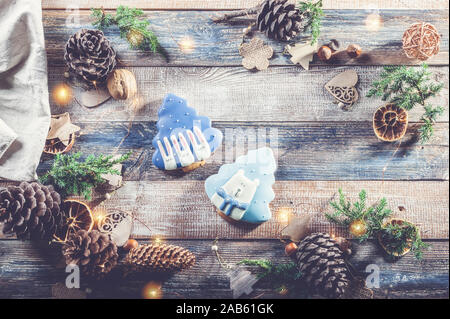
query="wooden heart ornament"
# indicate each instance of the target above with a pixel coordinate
(118, 226)
(342, 88)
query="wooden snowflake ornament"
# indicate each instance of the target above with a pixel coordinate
(255, 54)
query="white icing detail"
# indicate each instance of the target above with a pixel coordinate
(185, 155)
(240, 188)
(202, 150)
(168, 159)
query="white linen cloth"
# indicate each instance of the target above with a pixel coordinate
(24, 104)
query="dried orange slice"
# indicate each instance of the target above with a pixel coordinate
(79, 217)
(55, 146)
(390, 122)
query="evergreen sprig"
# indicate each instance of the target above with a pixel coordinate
(408, 87)
(72, 176)
(314, 12)
(279, 275)
(132, 27)
(395, 237)
(345, 213)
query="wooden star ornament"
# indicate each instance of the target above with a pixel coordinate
(61, 127)
(255, 54)
(61, 135)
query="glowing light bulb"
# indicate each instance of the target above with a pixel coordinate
(374, 22)
(62, 94)
(100, 214)
(187, 45)
(152, 290)
(157, 241)
(284, 214)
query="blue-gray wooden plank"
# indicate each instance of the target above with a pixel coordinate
(29, 272)
(304, 150)
(217, 44)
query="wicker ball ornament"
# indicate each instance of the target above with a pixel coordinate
(390, 122)
(421, 41)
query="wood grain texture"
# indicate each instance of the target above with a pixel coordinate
(183, 210)
(304, 151)
(234, 94)
(28, 272)
(217, 44)
(177, 210)
(239, 4)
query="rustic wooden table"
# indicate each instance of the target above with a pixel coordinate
(320, 147)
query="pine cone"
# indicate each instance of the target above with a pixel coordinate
(322, 264)
(280, 20)
(31, 210)
(89, 54)
(159, 258)
(92, 251)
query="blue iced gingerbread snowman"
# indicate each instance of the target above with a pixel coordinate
(185, 140)
(242, 191)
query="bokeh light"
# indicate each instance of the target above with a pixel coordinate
(284, 214)
(62, 94)
(152, 290)
(187, 45)
(374, 22)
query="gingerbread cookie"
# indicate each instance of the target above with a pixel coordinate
(242, 191)
(184, 140)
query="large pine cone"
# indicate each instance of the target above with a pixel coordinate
(93, 252)
(159, 258)
(89, 54)
(31, 210)
(322, 264)
(280, 20)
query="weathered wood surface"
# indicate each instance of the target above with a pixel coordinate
(183, 210)
(317, 142)
(217, 44)
(234, 94)
(34, 275)
(239, 4)
(303, 150)
(174, 210)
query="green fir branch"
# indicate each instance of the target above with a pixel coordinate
(279, 275)
(408, 87)
(314, 13)
(131, 25)
(345, 213)
(72, 176)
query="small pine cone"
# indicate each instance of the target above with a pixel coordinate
(93, 252)
(322, 264)
(159, 258)
(89, 54)
(31, 210)
(280, 20)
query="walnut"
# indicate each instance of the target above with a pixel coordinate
(122, 84)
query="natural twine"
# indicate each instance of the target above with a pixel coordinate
(421, 41)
